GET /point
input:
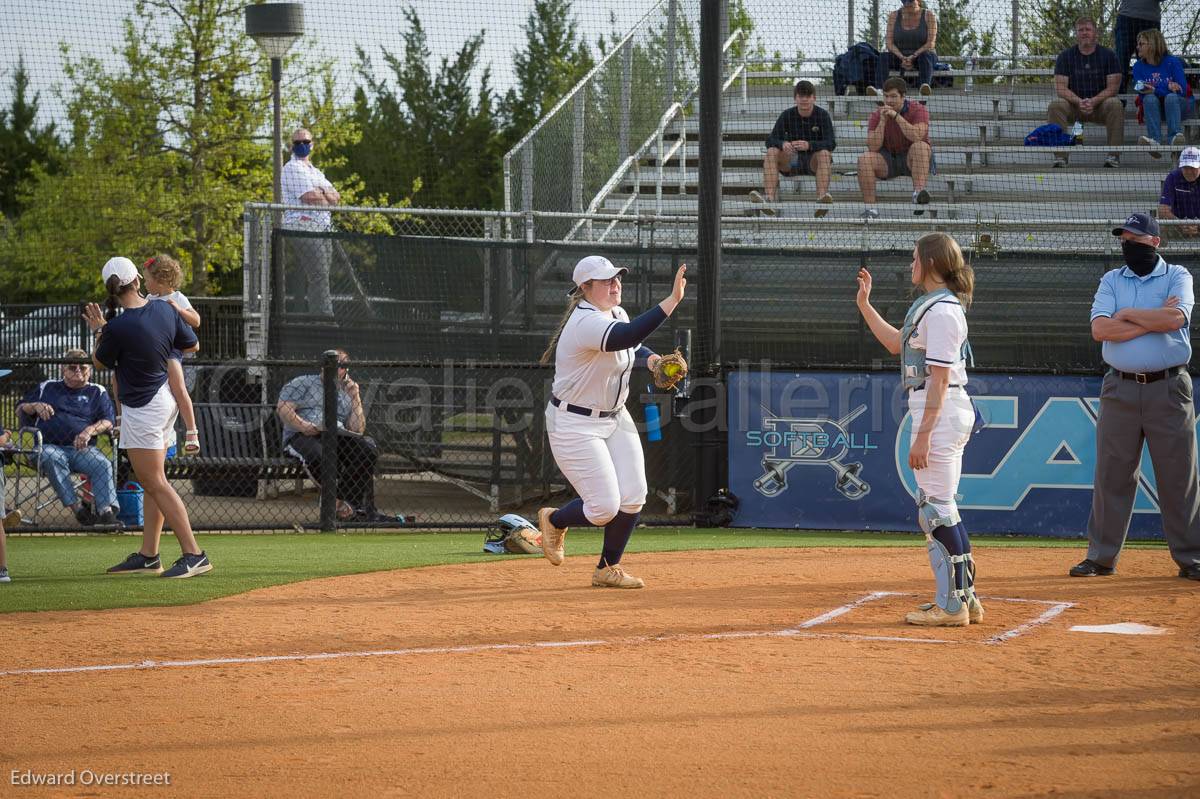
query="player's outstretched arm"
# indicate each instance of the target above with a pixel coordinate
(623, 335)
(887, 335)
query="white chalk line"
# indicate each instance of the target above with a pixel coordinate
(799, 631)
(1047, 615)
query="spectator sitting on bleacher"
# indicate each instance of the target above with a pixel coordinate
(1180, 197)
(1086, 78)
(70, 413)
(897, 144)
(1133, 17)
(801, 143)
(911, 36)
(301, 409)
(1159, 79)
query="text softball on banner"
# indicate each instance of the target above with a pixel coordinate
(829, 450)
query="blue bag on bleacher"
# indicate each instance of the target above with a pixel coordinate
(1049, 136)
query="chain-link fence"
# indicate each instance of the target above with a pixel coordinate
(442, 445)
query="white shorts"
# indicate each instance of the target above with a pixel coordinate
(151, 426)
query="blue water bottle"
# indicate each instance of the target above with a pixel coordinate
(653, 427)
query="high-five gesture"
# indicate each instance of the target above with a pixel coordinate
(668, 305)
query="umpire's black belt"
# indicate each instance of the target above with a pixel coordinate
(1149, 377)
(579, 409)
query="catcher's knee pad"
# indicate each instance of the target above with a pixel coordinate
(933, 513)
(950, 597)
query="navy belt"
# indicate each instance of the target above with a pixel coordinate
(922, 386)
(579, 409)
(1148, 377)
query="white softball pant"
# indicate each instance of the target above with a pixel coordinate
(939, 480)
(602, 458)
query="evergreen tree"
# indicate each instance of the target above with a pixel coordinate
(23, 143)
(555, 58)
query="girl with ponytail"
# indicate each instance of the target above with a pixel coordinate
(592, 435)
(934, 358)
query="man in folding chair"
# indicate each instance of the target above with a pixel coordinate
(64, 417)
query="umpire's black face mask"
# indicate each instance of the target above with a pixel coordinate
(1140, 258)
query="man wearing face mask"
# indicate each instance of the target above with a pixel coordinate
(304, 184)
(1141, 313)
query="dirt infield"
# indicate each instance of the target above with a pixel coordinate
(747, 673)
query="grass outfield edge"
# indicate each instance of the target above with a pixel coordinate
(66, 573)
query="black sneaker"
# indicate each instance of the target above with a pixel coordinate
(84, 516)
(1090, 568)
(189, 566)
(372, 515)
(137, 563)
(108, 519)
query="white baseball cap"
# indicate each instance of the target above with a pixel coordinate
(1190, 157)
(594, 267)
(121, 267)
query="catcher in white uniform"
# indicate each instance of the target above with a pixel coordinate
(592, 435)
(934, 354)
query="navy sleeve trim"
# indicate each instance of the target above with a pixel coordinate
(942, 363)
(623, 335)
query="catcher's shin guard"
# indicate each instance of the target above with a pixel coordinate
(950, 596)
(973, 604)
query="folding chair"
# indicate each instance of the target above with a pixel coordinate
(30, 484)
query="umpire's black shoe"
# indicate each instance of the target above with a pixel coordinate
(1090, 568)
(1191, 571)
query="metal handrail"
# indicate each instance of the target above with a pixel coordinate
(667, 117)
(568, 97)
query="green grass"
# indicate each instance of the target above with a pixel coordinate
(67, 573)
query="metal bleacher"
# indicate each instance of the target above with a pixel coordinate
(983, 170)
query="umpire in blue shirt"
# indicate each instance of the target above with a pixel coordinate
(70, 413)
(1141, 313)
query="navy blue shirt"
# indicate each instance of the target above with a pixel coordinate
(816, 129)
(1087, 75)
(74, 410)
(137, 345)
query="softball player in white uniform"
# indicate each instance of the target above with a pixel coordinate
(592, 435)
(934, 353)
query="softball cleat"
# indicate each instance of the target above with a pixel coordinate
(930, 615)
(552, 537)
(615, 577)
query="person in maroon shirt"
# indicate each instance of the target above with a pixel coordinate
(897, 144)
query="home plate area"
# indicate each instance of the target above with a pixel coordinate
(880, 616)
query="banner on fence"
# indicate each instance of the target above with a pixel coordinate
(829, 450)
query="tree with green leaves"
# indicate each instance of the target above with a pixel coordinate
(554, 59)
(24, 144)
(957, 34)
(427, 129)
(1048, 26)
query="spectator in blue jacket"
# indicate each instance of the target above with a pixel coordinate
(801, 143)
(1180, 198)
(70, 413)
(1159, 78)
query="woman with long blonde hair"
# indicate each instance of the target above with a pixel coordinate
(592, 435)
(934, 355)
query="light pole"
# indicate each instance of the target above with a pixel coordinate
(275, 27)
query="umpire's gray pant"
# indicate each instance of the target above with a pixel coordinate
(1160, 414)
